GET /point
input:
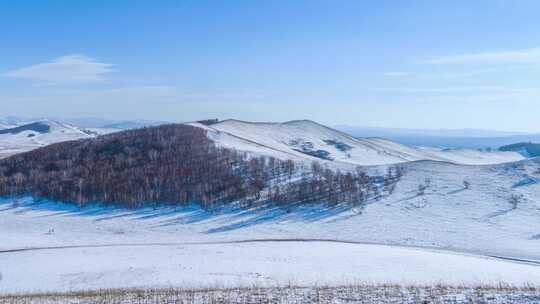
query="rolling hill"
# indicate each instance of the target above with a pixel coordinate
(483, 218)
(38, 134)
(300, 140)
(308, 140)
(527, 149)
(174, 164)
(449, 233)
(458, 138)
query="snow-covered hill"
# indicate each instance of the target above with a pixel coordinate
(41, 133)
(308, 140)
(300, 140)
(463, 228)
(446, 222)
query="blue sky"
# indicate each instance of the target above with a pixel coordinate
(413, 64)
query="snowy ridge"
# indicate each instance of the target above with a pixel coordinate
(41, 133)
(308, 140)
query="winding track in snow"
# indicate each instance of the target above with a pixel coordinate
(271, 240)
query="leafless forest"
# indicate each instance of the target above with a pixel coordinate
(175, 165)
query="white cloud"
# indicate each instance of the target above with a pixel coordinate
(503, 57)
(142, 92)
(479, 98)
(129, 96)
(464, 89)
(396, 74)
(66, 69)
(164, 93)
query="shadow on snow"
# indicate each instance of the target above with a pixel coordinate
(222, 220)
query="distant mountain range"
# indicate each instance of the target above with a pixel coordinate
(82, 122)
(441, 138)
(526, 149)
(461, 138)
(301, 140)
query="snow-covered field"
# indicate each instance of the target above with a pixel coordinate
(157, 245)
(248, 264)
(444, 223)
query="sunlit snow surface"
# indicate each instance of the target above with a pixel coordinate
(300, 139)
(26, 140)
(248, 264)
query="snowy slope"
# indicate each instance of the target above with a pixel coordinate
(479, 219)
(471, 224)
(301, 140)
(41, 133)
(307, 140)
(155, 246)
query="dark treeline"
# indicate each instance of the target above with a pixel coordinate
(176, 164)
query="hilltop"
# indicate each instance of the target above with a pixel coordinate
(308, 140)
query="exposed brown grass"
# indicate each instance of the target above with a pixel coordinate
(291, 294)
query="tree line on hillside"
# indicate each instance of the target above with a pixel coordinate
(176, 164)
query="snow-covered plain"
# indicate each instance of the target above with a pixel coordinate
(248, 264)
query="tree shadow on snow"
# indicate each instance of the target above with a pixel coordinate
(222, 220)
(282, 215)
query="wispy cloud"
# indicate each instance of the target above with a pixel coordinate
(502, 57)
(66, 69)
(483, 98)
(150, 93)
(465, 89)
(464, 95)
(132, 95)
(396, 74)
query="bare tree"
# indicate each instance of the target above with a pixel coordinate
(178, 164)
(515, 200)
